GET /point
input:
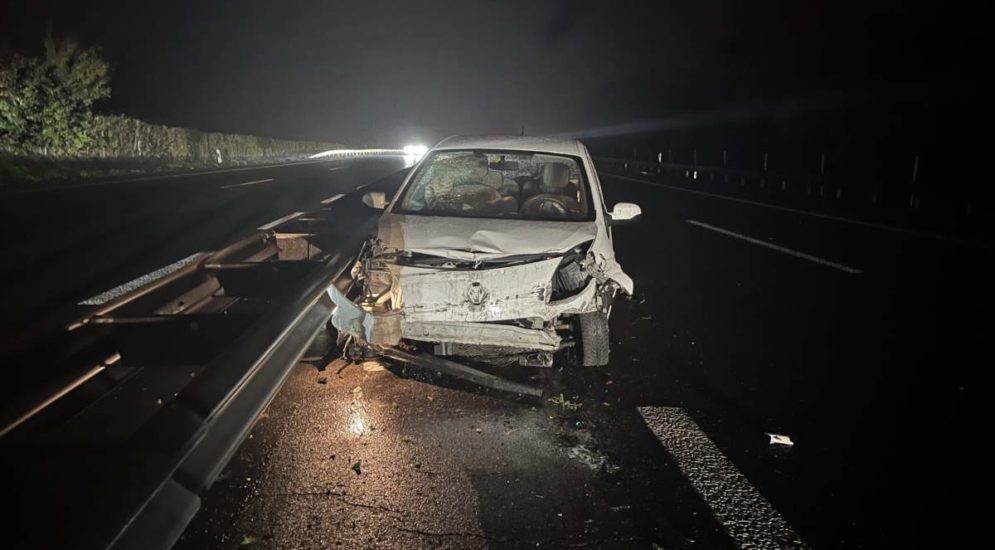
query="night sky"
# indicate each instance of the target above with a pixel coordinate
(375, 72)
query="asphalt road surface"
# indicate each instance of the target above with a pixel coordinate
(859, 343)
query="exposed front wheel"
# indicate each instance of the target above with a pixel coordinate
(594, 341)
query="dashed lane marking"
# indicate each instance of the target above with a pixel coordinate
(253, 182)
(277, 222)
(795, 253)
(120, 290)
(332, 199)
(748, 517)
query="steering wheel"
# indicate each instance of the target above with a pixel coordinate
(538, 204)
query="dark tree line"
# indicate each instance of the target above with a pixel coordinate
(46, 101)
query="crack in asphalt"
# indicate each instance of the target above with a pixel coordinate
(598, 542)
(340, 497)
(584, 544)
(451, 534)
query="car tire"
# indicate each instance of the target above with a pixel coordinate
(594, 343)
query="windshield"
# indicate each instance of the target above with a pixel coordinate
(498, 184)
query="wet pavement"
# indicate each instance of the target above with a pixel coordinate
(363, 457)
(871, 372)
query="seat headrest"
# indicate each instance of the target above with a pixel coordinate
(556, 175)
(475, 166)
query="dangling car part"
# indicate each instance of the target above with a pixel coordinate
(496, 250)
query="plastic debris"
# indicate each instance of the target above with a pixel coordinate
(565, 403)
(358, 467)
(372, 366)
(248, 540)
(780, 439)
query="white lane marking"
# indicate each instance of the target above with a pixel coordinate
(97, 369)
(334, 168)
(881, 226)
(362, 186)
(275, 223)
(332, 199)
(795, 253)
(153, 177)
(748, 517)
(120, 290)
(244, 183)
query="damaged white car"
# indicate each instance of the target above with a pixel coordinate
(493, 249)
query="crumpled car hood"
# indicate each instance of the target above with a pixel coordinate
(474, 239)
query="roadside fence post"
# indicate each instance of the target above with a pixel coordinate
(763, 179)
(822, 172)
(913, 195)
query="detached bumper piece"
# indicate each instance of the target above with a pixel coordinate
(463, 372)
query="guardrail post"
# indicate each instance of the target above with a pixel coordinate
(763, 179)
(913, 196)
(822, 172)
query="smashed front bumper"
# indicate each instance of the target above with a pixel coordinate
(387, 328)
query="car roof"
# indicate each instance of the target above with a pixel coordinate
(513, 143)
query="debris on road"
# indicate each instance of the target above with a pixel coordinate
(566, 404)
(372, 366)
(322, 379)
(780, 439)
(586, 457)
(248, 540)
(357, 467)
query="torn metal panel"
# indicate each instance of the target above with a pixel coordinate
(605, 268)
(483, 239)
(482, 334)
(382, 328)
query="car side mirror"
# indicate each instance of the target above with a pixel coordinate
(376, 199)
(624, 212)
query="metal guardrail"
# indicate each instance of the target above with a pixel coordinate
(909, 207)
(167, 380)
(813, 185)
